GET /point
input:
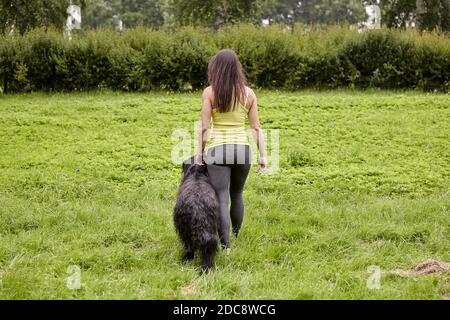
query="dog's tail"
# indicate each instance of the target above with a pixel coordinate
(208, 248)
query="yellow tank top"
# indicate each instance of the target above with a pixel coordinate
(228, 127)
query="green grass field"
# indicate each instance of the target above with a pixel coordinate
(86, 179)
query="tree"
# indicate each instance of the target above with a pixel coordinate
(131, 12)
(429, 14)
(314, 11)
(142, 12)
(216, 13)
(101, 13)
(23, 15)
(280, 11)
(437, 15)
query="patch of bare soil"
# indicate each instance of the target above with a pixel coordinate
(423, 268)
(428, 267)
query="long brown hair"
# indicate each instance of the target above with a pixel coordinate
(227, 79)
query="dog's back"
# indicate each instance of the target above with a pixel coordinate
(196, 214)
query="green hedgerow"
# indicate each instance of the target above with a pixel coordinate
(273, 57)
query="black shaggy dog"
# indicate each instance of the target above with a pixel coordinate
(196, 214)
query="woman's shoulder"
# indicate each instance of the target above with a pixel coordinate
(251, 96)
(207, 92)
(250, 93)
(250, 89)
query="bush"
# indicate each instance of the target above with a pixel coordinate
(10, 52)
(267, 55)
(398, 59)
(273, 57)
(86, 62)
(42, 48)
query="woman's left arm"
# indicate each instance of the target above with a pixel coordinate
(204, 124)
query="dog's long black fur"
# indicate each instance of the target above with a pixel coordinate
(196, 214)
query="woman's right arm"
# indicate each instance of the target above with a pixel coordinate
(257, 131)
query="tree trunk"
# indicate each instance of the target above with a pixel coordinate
(421, 9)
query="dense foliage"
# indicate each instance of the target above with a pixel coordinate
(142, 59)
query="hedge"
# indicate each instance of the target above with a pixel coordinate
(141, 59)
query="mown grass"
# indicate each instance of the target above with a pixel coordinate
(86, 179)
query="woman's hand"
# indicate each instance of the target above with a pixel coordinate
(262, 165)
(199, 159)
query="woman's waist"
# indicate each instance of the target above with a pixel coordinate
(228, 126)
(228, 135)
(235, 131)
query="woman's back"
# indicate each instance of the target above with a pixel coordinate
(229, 127)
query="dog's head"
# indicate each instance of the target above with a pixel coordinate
(191, 168)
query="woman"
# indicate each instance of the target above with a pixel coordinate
(225, 148)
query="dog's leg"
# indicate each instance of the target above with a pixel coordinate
(189, 253)
(189, 247)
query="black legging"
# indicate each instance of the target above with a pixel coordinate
(228, 168)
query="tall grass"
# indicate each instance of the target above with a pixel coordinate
(86, 180)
